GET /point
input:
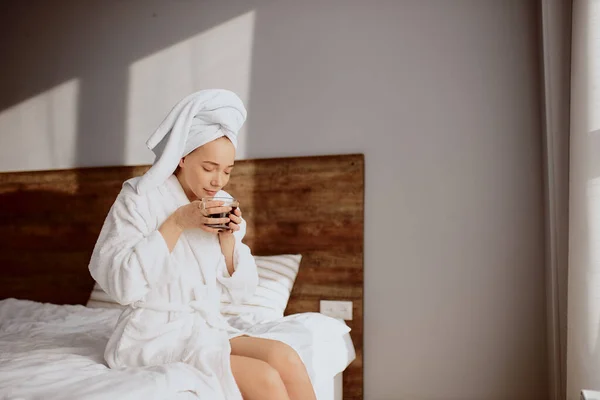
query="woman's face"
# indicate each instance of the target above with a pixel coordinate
(206, 170)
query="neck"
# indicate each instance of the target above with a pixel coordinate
(186, 189)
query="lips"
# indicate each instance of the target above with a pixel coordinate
(211, 193)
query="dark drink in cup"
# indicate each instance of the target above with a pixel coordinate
(227, 202)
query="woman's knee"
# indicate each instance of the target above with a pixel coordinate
(270, 382)
(257, 379)
(285, 360)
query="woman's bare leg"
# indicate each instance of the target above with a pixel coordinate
(257, 380)
(281, 357)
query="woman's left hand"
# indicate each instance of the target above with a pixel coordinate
(234, 224)
(227, 240)
(236, 220)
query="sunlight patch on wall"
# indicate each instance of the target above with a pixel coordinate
(217, 58)
(41, 132)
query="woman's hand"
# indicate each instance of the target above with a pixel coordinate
(227, 240)
(236, 220)
(193, 216)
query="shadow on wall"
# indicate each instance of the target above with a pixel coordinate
(45, 45)
(67, 72)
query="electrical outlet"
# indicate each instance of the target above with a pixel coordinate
(337, 309)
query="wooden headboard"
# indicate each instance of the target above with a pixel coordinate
(314, 206)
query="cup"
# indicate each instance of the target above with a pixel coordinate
(227, 202)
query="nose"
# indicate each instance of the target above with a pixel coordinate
(216, 181)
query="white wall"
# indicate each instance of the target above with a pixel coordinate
(441, 97)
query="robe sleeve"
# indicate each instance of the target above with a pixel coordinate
(242, 284)
(129, 259)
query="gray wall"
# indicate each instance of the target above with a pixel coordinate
(442, 97)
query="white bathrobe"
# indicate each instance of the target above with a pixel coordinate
(174, 297)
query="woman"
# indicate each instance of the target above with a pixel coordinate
(156, 254)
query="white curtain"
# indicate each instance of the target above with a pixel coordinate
(556, 67)
(583, 332)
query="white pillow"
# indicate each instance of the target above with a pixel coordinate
(100, 299)
(276, 276)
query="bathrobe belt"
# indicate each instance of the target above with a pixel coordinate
(195, 306)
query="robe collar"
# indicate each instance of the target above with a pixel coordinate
(173, 187)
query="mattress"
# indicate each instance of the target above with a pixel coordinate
(55, 352)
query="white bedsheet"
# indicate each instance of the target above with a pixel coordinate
(56, 352)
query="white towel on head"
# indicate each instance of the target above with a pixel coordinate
(196, 120)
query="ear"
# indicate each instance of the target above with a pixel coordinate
(181, 162)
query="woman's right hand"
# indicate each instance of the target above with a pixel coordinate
(193, 215)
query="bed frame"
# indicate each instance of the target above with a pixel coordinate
(314, 206)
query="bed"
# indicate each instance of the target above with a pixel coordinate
(312, 206)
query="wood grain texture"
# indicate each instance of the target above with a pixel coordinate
(314, 206)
